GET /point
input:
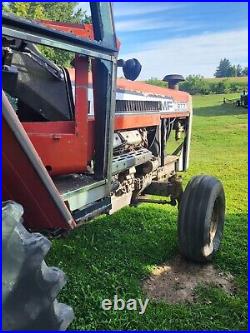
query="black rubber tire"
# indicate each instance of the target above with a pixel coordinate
(29, 286)
(201, 218)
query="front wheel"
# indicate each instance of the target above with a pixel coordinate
(201, 218)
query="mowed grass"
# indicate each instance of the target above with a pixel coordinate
(114, 254)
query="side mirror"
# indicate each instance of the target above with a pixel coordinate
(131, 68)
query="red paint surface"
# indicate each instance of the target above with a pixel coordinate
(63, 146)
(22, 184)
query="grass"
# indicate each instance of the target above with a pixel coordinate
(238, 80)
(114, 254)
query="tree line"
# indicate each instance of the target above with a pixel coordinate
(224, 81)
(226, 69)
(198, 85)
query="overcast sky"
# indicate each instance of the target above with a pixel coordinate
(182, 37)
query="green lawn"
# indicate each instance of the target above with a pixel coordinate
(114, 254)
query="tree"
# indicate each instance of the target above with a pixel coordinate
(55, 11)
(232, 71)
(195, 84)
(32, 10)
(245, 71)
(224, 69)
(238, 70)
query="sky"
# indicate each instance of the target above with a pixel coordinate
(181, 37)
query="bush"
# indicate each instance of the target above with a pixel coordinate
(234, 87)
(195, 84)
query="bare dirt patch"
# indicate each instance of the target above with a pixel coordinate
(175, 281)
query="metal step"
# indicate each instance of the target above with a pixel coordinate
(92, 210)
(128, 160)
(80, 190)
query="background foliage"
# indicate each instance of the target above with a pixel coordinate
(198, 85)
(56, 11)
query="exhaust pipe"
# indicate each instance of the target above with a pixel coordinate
(173, 80)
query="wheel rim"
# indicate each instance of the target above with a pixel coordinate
(209, 248)
(213, 225)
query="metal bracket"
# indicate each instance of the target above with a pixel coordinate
(172, 188)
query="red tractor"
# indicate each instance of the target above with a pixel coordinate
(78, 143)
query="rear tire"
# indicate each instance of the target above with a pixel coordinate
(201, 218)
(29, 286)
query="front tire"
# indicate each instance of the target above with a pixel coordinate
(201, 218)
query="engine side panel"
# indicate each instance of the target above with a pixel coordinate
(26, 180)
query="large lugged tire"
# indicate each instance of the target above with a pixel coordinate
(201, 218)
(29, 286)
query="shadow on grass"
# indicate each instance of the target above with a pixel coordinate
(220, 110)
(114, 254)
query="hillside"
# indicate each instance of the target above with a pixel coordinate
(238, 80)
